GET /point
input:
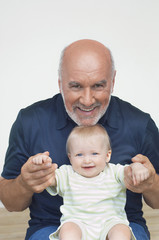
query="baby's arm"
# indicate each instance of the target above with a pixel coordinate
(43, 158)
(139, 173)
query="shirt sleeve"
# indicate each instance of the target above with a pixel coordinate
(17, 152)
(150, 146)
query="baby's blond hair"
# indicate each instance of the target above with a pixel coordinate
(88, 131)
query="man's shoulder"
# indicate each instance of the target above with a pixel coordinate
(125, 116)
(127, 110)
(42, 112)
(50, 103)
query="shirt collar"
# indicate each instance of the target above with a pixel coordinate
(62, 116)
(112, 115)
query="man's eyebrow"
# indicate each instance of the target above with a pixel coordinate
(102, 82)
(73, 83)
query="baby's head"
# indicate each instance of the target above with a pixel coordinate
(88, 148)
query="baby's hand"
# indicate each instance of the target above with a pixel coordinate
(42, 158)
(139, 173)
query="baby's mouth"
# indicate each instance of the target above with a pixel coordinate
(88, 167)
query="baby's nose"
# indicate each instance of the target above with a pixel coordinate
(87, 159)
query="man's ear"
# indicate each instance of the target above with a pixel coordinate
(59, 84)
(108, 156)
(113, 82)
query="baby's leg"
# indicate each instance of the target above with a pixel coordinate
(70, 231)
(119, 232)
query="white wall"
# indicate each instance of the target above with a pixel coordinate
(33, 33)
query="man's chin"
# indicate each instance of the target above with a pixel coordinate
(81, 120)
(85, 121)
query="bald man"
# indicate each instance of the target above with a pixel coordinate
(86, 82)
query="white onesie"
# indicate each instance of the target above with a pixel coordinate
(95, 204)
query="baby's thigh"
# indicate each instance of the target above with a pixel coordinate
(120, 232)
(69, 231)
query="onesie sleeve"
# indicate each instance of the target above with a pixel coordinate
(61, 175)
(119, 173)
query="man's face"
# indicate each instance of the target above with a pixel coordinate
(86, 87)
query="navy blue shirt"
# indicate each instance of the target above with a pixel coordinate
(45, 126)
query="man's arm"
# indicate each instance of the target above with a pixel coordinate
(151, 195)
(149, 187)
(16, 194)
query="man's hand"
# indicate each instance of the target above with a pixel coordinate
(140, 186)
(16, 194)
(36, 177)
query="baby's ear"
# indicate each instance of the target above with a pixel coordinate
(108, 156)
(69, 156)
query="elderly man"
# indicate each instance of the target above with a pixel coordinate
(86, 81)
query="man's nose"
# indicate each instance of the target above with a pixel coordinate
(87, 97)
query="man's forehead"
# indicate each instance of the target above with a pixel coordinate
(89, 65)
(86, 53)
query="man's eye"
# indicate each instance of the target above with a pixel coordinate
(98, 86)
(74, 86)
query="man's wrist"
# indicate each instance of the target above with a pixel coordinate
(151, 194)
(24, 188)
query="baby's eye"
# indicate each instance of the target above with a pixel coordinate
(79, 154)
(94, 153)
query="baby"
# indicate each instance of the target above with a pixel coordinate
(93, 190)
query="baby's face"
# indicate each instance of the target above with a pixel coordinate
(88, 156)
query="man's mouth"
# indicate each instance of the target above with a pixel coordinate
(86, 109)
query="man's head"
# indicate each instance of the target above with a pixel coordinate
(88, 148)
(86, 80)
